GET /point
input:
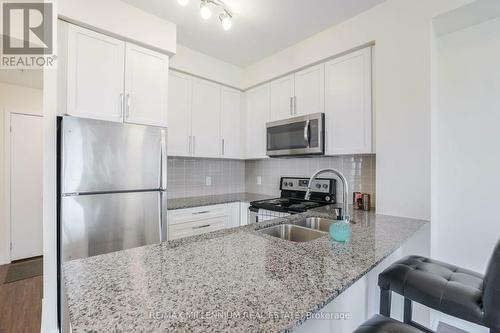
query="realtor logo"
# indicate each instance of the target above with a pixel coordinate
(27, 34)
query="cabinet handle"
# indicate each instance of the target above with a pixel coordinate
(201, 226)
(194, 145)
(128, 106)
(295, 105)
(190, 144)
(223, 148)
(203, 212)
(291, 106)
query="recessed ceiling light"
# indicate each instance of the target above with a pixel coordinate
(183, 2)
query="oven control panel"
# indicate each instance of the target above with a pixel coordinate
(320, 185)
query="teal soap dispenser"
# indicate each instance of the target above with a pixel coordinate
(340, 231)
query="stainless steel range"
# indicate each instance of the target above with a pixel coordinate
(291, 201)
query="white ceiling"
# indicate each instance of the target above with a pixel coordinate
(260, 27)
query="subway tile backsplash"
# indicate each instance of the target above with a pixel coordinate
(359, 171)
(188, 176)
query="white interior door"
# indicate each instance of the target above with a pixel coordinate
(26, 186)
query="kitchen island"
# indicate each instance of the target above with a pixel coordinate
(236, 279)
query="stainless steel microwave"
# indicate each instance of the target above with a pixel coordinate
(298, 136)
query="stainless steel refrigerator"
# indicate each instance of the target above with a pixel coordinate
(112, 186)
(112, 190)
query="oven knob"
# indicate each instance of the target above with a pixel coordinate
(325, 186)
(327, 198)
(318, 185)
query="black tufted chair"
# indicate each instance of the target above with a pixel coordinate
(449, 289)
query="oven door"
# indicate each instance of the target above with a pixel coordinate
(296, 136)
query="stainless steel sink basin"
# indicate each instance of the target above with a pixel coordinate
(316, 223)
(293, 233)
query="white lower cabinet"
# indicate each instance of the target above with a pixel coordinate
(199, 220)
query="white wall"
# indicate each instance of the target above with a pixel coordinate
(467, 145)
(115, 17)
(20, 99)
(466, 149)
(196, 63)
(401, 30)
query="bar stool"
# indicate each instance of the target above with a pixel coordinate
(381, 324)
(443, 287)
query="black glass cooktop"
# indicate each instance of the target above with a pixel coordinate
(287, 205)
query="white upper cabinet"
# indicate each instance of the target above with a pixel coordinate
(348, 104)
(231, 125)
(257, 114)
(104, 78)
(281, 98)
(179, 114)
(205, 121)
(310, 90)
(95, 75)
(146, 86)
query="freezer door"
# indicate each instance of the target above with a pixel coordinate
(102, 223)
(100, 156)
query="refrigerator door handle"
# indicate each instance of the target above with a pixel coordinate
(163, 217)
(163, 161)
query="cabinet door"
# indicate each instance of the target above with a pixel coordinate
(348, 104)
(179, 114)
(231, 124)
(95, 74)
(205, 122)
(282, 92)
(146, 86)
(310, 90)
(256, 115)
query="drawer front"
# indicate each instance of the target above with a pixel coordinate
(201, 226)
(179, 216)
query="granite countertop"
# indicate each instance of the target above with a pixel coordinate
(178, 203)
(236, 279)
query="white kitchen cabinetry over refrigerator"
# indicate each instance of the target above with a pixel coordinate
(348, 104)
(146, 86)
(104, 78)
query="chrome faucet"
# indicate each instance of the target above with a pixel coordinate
(345, 206)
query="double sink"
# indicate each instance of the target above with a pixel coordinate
(305, 230)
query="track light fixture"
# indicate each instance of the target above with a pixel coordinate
(225, 17)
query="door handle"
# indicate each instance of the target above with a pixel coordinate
(128, 106)
(306, 133)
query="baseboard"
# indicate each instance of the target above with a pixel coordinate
(4, 260)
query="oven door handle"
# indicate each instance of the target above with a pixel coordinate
(306, 133)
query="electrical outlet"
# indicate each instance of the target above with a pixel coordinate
(259, 180)
(208, 181)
